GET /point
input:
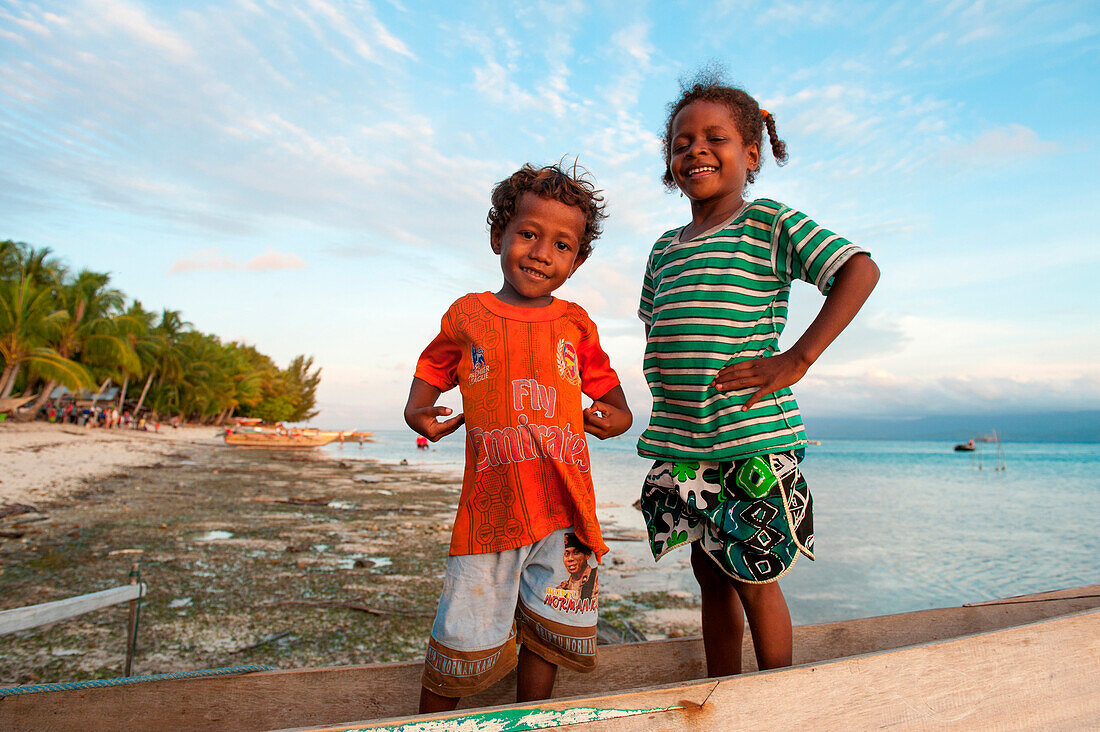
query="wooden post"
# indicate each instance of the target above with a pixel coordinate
(132, 624)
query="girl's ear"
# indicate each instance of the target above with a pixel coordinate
(752, 155)
(494, 241)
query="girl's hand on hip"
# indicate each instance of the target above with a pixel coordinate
(766, 375)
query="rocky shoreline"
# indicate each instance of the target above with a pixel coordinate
(251, 557)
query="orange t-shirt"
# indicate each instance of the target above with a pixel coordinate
(521, 372)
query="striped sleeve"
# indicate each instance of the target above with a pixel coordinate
(645, 305)
(802, 249)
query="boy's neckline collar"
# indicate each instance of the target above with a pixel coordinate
(528, 315)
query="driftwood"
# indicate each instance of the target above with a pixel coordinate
(352, 605)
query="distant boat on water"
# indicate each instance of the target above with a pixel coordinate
(282, 438)
(965, 447)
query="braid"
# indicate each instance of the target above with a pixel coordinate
(779, 148)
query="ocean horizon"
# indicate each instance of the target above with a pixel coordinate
(899, 525)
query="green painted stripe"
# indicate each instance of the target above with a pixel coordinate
(510, 720)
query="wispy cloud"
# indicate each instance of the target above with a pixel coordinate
(1003, 144)
(212, 260)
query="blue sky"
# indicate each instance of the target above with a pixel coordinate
(313, 177)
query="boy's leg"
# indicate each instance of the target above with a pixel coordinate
(534, 677)
(432, 702)
(769, 621)
(723, 617)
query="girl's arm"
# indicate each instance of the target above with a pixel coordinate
(609, 415)
(851, 287)
(421, 412)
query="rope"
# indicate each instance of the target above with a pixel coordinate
(97, 683)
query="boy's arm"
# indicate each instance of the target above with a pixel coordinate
(851, 287)
(609, 415)
(421, 412)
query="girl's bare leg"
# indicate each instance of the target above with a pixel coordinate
(432, 702)
(534, 676)
(770, 622)
(723, 617)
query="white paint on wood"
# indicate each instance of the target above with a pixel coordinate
(24, 618)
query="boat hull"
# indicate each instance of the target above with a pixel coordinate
(329, 696)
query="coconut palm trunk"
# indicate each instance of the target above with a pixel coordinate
(144, 391)
(122, 394)
(7, 382)
(51, 384)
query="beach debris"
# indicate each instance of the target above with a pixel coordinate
(367, 478)
(12, 534)
(14, 509)
(116, 552)
(678, 595)
(342, 505)
(354, 605)
(610, 635)
(181, 602)
(264, 641)
(214, 535)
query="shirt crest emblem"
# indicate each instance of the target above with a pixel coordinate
(479, 369)
(568, 362)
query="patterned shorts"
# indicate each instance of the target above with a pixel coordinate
(546, 593)
(751, 516)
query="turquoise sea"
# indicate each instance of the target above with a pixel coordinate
(899, 525)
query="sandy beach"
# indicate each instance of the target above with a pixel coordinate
(44, 462)
(286, 559)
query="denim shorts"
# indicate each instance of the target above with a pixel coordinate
(543, 595)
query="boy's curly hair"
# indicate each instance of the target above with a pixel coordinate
(708, 86)
(571, 187)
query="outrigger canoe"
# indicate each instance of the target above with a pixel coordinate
(1024, 662)
(292, 440)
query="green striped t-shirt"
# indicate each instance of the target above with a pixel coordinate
(718, 299)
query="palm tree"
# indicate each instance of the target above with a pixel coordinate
(29, 321)
(92, 330)
(168, 358)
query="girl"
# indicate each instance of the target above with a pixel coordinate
(725, 430)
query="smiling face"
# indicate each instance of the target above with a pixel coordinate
(707, 157)
(538, 249)
(575, 561)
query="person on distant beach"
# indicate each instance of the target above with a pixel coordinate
(725, 431)
(521, 359)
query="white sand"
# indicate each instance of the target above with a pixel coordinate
(42, 462)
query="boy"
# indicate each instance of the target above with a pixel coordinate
(521, 359)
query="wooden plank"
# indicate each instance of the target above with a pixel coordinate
(280, 699)
(32, 616)
(1040, 676)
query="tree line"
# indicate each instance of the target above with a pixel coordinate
(72, 329)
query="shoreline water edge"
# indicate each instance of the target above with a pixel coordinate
(336, 557)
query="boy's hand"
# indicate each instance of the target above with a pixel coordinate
(608, 416)
(421, 412)
(423, 421)
(767, 374)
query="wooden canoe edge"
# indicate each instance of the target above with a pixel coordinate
(297, 698)
(1041, 675)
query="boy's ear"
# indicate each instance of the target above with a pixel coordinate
(577, 264)
(494, 241)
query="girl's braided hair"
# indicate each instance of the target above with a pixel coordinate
(707, 86)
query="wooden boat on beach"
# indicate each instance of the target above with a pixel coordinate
(1023, 662)
(292, 439)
